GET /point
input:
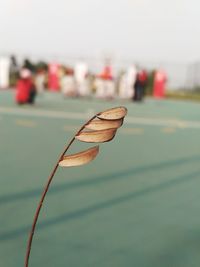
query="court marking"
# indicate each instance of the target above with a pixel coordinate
(168, 130)
(26, 123)
(78, 116)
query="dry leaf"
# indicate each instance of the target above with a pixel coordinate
(97, 136)
(80, 158)
(113, 113)
(104, 124)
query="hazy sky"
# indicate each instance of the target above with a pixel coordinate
(137, 29)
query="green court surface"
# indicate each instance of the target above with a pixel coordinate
(137, 204)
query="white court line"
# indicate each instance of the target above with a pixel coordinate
(42, 113)
(78, 116)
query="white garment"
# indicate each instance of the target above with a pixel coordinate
(80, 72)
(4, 72)
(68, 85)
(105, 88)
(131, 78)
(109, 88)
(83, 87)
(39, 82)
(127, 81)
(123, 86)
(131, 75)
(100, 88)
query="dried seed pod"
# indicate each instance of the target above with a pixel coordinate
(80, 158)
(103, 127)
(104, 124)
(96, 136)
(113, 113)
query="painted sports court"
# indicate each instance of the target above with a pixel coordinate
(137, 204)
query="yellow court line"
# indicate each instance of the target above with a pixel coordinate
(168, 130)
(147, 121)
(26, 123)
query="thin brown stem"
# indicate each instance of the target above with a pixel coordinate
(46, 188)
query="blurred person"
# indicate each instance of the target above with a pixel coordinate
(139, 86)
(99, 87)
(84, 87)
(127, 81)
(28, 65)
(4, 72)
(53, 77)
(40, 79)
(81, 74)
(106, 88)
(25, 89)
(68, 85)
(122, 91)
(160, 80)
(14, 71)
(109, 85)
(91, 84)
(131, 78)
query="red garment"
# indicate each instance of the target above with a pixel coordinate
(107, 73)
(23, 90)
(53, 77)
(142, 76)
(159, 84)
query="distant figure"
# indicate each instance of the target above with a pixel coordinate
(68, 86)
(122, 93)
(109, 88)
(84, 87)
(105, 84)
(139, 86)
(160, 79)
(4, 72)
(81, 74)
(14, 71)
(53, 77)
(131, 78)
(25, 91)
(40, 78)
(99, 86)
(126, 84)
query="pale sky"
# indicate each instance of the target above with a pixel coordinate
(150, 30)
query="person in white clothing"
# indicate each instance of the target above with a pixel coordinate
(4, 72)
(81, 72)
(68, 85)
(40, 78)
(99, 85)
(122, 93)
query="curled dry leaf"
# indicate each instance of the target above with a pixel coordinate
(80, 158)
(96, 136)
(113, 113)
(104, 124)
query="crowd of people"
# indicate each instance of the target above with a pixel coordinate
(31, 79)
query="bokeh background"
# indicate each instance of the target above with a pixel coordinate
(137, 203)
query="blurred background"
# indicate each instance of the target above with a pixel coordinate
(151, 35)
(61, 62)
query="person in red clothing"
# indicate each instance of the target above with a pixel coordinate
(160, 79)
(139, 86)
(25, 91)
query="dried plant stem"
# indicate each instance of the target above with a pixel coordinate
(46, 188)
